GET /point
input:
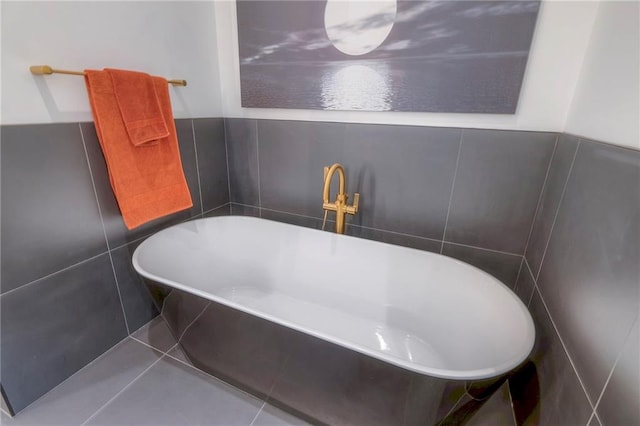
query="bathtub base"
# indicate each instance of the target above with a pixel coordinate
(315, 380)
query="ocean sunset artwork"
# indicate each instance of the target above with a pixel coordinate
(384, 55)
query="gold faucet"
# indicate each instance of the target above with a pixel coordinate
(340, 204)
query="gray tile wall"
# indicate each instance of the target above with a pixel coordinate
(582, 266)
(469, 194)
(68, 290)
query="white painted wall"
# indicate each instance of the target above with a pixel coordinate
(171, 39)
(198, 41)
(606, 105)
(559, 44)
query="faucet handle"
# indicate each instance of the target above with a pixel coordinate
(353, 209)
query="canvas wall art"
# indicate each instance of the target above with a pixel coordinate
(385, 55)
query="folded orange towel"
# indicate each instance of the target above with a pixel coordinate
(138, 104)
(147, 179)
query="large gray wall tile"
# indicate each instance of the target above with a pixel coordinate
(171, 393)
(138, 304)
(212, 162)
(403, 174)
(117, 233)
(590, 276)
(292, 156)
(558, 175)
(561, 400)
(498, 183)
(619, 403)
(50, 218)
(502, 266)
(54, 327)
(242, 148)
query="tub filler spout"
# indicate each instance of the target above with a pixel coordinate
(340, 204)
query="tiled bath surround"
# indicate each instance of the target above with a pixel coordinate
(69, 291)
(488, 197)
(581, 278)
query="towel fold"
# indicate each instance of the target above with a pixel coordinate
(139, 106)
(147, 179)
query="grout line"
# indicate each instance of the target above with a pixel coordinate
(53, 274)
(216, 208)
(515, 286)
(194, 320)
(115, 277)
(195, 149)
(615, 364)
(226, 153)
(258, 413)
(452, 409)
(513, 411)
(535, 283)
(597, 417)
(584, 389)
(482, 248)
(7, 414)
(121, 391)
(564, 189)
(453, 184)
(152, 347)
(258, 164)
(131, 242)
(292, 214)
(542, 190)
(396, 233)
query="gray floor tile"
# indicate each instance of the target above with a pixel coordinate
(272, 416)
(171, 393)
(77, 398)
(156, 333)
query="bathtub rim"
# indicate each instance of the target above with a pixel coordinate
(478, 374)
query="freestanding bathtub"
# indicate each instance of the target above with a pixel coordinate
(425, 313)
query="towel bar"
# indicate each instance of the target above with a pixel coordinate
(46, 70)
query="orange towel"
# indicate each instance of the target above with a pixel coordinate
(147, 179)
(138, 104)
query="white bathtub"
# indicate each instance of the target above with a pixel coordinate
(421, 311)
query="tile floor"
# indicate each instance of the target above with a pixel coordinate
(147, 380)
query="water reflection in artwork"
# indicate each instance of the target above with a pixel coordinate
(349, 86)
